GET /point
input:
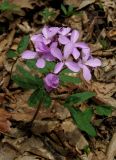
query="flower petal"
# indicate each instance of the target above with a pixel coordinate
(41, 47)
(63, 39)
(72, 66)
(64, 30)
(81, 45)
(74, 36)
(56, 53)
(40, 63)
(76, 53)
(68, 48)
(54, 45)
(37, 38)
(93, 62)
(53, 31)
(58, 67)
(86, 73)
(86, 54)
(45, 31)
(29, 54)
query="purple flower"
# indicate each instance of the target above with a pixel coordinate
(42, 55)
(49, 33)
(63, 60)
(51, 81)
(86, 64)
(70, 44)
(64, 31)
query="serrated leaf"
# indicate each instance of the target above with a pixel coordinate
(104, 110)
(69, 79)
(23, 44)
(11, 54)
(78, 98)
(35, 98)
(83, 120)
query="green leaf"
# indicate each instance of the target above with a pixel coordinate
(63, 9)
(78, 98)
(69, 79)
(23, 44)
(47, 100)
(70, 10)
(11, 54)
(29, 77)
(83, 119)
(48, 68)
(36, 98)
(23, 83)
(103, 110)
(7, 6)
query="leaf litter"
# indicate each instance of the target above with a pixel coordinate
(53, 135)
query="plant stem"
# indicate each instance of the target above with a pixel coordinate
(36, 113)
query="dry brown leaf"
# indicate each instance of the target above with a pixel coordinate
(75, 3)
(111, 151)
(104, 92)
(112, 34)
(73, 135)
(23, 3)
(4, 122)
(85, 3)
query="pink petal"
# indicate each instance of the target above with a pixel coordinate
(37, 37)
(94, 62)
(53, 31)
(45, 32)
(68, 48)
(74, 36)
(56, 53)
(64, 31)
(72, 66)
(58, 67)
(54, 45)
(85, 53)
(81, 45)
(76, 53)
(86, 73)
(29, 54)
(63, 40)
(40, 63)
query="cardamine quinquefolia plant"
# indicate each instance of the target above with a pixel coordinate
(61, 45)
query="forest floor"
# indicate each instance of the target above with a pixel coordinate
(53, 135)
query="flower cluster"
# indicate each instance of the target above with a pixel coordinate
(62, 46)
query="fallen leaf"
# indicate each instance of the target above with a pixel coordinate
(23, 3)
(85, 3)
(5, 124)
